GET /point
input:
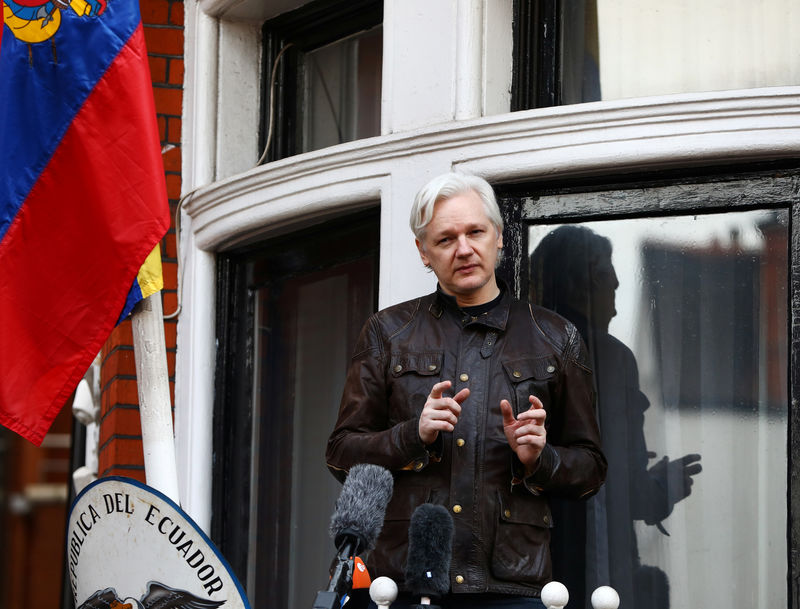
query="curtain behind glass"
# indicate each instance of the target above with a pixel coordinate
(342, 91)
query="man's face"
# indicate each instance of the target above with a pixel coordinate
(461, 245)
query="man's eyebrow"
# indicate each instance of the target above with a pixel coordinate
(448, 230)
(469, 226)
(474, 225)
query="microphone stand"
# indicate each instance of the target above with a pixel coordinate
(341, 578)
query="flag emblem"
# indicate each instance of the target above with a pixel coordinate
(34, 21)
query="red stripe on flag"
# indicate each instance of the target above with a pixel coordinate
(71, 254)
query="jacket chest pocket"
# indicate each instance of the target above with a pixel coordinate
(412, 375)
(531, 376)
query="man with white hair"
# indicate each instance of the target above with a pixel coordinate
(474, 401)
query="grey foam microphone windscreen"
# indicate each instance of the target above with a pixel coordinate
(361, 506)
(430, 548)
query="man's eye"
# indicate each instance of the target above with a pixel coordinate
(443, 241)
(478, 231)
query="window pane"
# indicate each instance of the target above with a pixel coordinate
(305, 328)
(631, 48)
(342, 91)
(686, 322)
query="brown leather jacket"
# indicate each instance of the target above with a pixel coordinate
(502, 521)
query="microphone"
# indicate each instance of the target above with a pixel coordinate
(430, 548)
(355, 525)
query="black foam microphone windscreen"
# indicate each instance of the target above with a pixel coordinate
(430, 548)
(361, 506)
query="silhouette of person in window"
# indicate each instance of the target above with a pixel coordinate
(572, 274)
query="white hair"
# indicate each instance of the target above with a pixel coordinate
(447, 186)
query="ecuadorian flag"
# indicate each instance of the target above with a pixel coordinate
(82, 194)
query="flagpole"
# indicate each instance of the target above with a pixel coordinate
(155, 408)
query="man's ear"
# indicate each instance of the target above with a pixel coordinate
(499, 239)
(421, 250)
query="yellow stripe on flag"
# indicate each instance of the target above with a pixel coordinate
(150, 277)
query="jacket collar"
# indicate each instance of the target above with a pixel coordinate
(495, 318)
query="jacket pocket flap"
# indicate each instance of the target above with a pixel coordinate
(525, 510)
(425, 363)
(528, 368)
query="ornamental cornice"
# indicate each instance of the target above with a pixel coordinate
(622, 136)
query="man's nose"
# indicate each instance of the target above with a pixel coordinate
(464, 247)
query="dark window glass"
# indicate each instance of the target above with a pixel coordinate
(293, 309)
(327, 59)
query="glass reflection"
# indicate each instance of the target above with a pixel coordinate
(693, 363)
(634, 48)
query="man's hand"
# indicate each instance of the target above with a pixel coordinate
(440, 413)
(525, 434)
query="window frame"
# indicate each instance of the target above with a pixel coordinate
(535, 59)
(754, 186)
(307, 28)
(235, 360)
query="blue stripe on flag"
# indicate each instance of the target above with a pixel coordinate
(43, 86)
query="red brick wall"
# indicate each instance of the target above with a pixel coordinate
(120, 430)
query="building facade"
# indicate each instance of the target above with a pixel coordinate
(294, 142)
(671, 131)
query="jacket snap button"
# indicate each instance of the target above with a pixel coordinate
(547, 519)
(459, 579)
(418, 465)
(432, 367)
(517, 374)
(507, 513)
(398, 368)
(457, 508)
(460, 442)
(551, 368)
(464, 377)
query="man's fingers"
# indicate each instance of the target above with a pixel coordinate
(530, 439)
(536, 403)
(446, 405)
(443, 414)
(508, 414)
(529, 429)
(537, 415)
(438, 414)
(461, 395)
(438, 388)
(439, 407)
